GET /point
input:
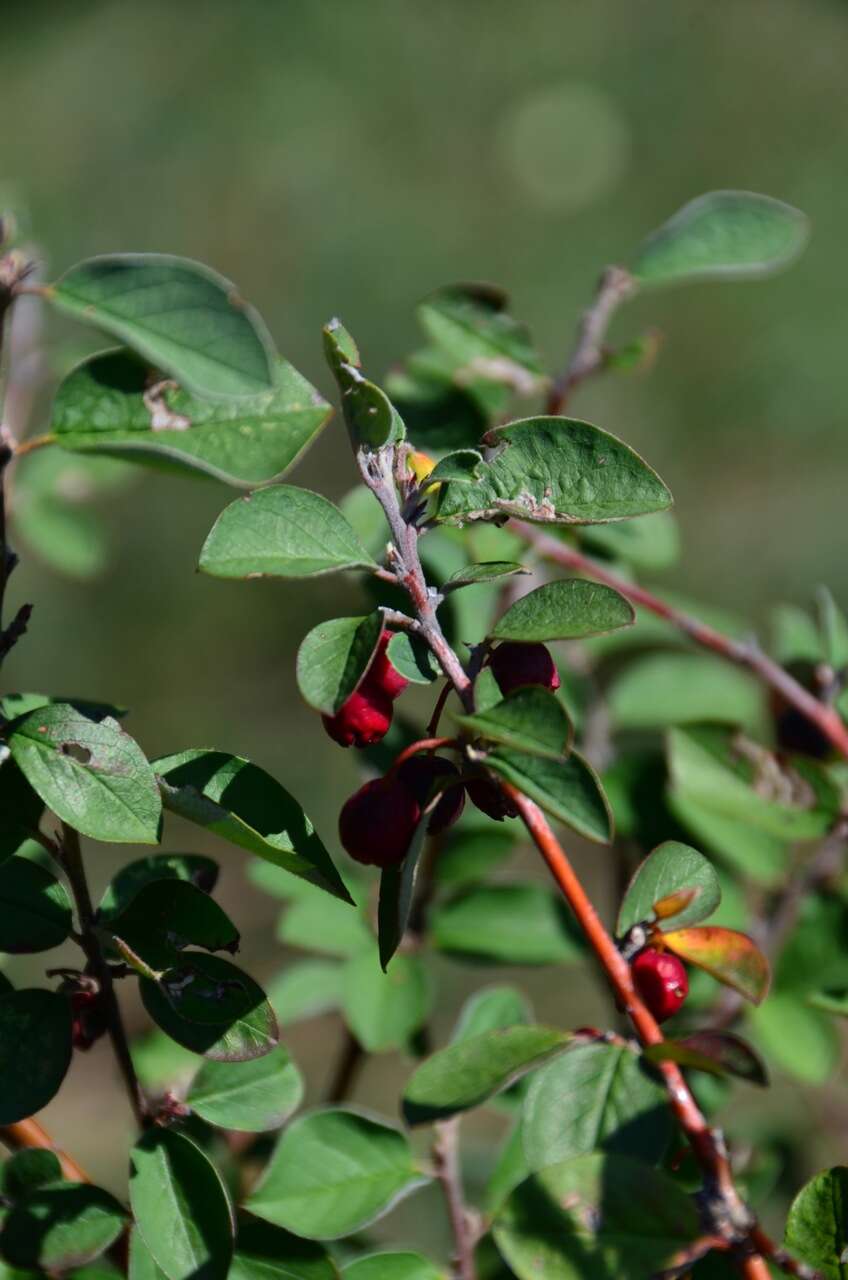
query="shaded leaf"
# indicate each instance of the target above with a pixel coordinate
(306, 990)
(35, 1050)
(331, 927)
(731, 957)
(507, 924)
(556, 470)
(334, 1172)
(190, 867)
(25, 1170)
(817, 1226)
(384, 1009)
(568, 609)
(20, 807)
(242, 803)
(165, 917)
(397, 893)
(114, 403)
(567, 789)
(531, 720)
(333, 658)
(650, 543)
(661, 689)
(211, 1007)
(35, 910)
(248, 1096)
(266, 1252)
(91, 773)
(802, 1041)
(719, 1052)
(281, 532)
(183, 317)
(488, 571)
(670, 869)
(60, 1226)
(412, 658)
(181, 1206)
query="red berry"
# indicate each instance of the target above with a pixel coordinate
(88, 1019)
(661, 981)
(515, 664)
(363, 720)
(378, 821)
(490, 799)
(420, 774)
(381, 674)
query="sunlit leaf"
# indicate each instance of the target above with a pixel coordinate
(731, 957)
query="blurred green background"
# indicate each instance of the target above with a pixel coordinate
(335, 157)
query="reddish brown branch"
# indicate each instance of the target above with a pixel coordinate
(741, 652)
(29, 1133)
(588, 356)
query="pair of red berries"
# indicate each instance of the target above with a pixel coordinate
(366, 717)
(661, 981)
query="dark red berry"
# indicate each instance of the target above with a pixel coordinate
(661, 981)
(363, 720)
(378, 821)
(88, 1019)
(515, 664)
(381, 674)
(421, 774)
(488, 797)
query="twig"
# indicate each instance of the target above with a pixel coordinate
(349, 1064)
(70, 857)
(15, 630)
(30, 1134)
(741, 652)
(449, 1176)
(588, 355)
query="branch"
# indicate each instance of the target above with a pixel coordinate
(741, 652)
(449, 1177)
(70, 857)
(725, 1211)
(588, 355)
(29, 1134)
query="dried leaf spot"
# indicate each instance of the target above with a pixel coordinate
(76, 751)
(162, 417)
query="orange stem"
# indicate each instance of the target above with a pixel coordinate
(29, 1133)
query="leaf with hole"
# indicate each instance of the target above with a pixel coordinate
(180, 315)
(568, 789)
(35, 910)
(722, 235)
(181, 1206)
(596, 1097)
(568, 609)
(384, 1009)
(61, 1226)
(470, 1071)
(333, 658)
(671, 868)
(247, 1096)
(212, 1008)
(531, 720)
(281, 532)
(241, 803)
(334, 1172)
(35, 1050)
(91, 773)
(115, 404)
(729, 956)
(557, 471)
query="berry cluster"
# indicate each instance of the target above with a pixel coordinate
(377, 823)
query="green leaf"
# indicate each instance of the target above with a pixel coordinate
(392, 1266)
(556, 470)
(743, 781)
(26, 1170)
(181, 1206)
(239, 802)
(142, 1265)
(317, 924)
(472, 853)
(265, 1252)
(13, 705)
(176, 313)
(758, 855)
(60, 1226)
(20, 807)
(464, 466)
(334, 1172)
(722, 235)
(305, 990)
(670, 869)
(281, 532)
(384, 1009)
(114, 404)
(596, 1097)
(596, 1215)
(567, 789)
(334, 657)
(833, 627)
(369, 414)
(488, 571)
(531, 720)
(662, 689)
(192, 868)
(648, 544)
(471, 323)
(569, 609)
(469, 1072)
(91, 773)
(210, 1007)
(161, 1063)
(491, 1009)
(729, 956)
(412, 658)
(397, 894)
(164, 918)
(718, 1052)
(35, 910)
(248, 1096)
(802, 1041)
(817, 1226)
(507, 924)
(35, 1050)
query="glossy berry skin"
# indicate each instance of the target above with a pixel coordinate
(88, 1019)
(515, 664)
(420, 774)
(377, 823)
(661, 981)
(363, 720)
(381, 674)
(487, 796)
